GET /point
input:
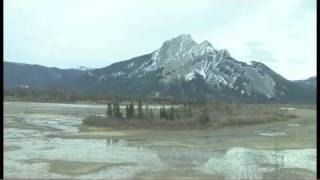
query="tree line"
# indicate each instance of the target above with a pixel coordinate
(141, 111)
(144, 112)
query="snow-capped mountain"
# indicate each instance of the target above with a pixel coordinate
(182, 59)
(83, 68)
(183, 68)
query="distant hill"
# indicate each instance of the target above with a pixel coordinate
(310, 82)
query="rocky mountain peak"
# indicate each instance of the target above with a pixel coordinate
(182, 37)
(178, 44)
(224, 53)
(206, 44)
(184, 48)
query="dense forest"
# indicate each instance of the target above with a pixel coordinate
(24, 94)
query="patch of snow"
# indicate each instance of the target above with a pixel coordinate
(152, 67)
(83, 68)
(287, 108)
(116, 74)
(90, 73)
(101, 78)
(201, 72)
(273, 134)
(249, 63)
(294, 125)
(155, 55)
(24, 86)
(130, 65)
(210, 49)
(217, 80)
(204, 68)
(189, 76)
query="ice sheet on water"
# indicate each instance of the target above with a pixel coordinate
(64, 123)
(15, 133)
(79, 150)
(18, 169)
(244, 163)
(36, 145)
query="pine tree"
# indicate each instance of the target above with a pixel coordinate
(109, 110)
(204, 118)
(147, 110)
(165, 113)
(161, 113)
(117, 112)
(177, 114)
(151, 114)
(131, 110)
(127, 111)
(189, 111)
(171, 116)
(140, 110)
(114, 109)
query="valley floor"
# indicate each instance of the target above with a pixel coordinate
(47, 140)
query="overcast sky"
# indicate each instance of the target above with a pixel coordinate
(97, 33)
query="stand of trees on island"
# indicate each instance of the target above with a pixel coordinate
(145, 113)
(193, 114)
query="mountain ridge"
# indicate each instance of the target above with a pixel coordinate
(180, 68)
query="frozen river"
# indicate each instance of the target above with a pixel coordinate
(46, 140)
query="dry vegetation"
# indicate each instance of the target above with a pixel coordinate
(198, 116)
(222, 114)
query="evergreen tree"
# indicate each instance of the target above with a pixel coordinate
(120, 113)
(171, 115)
(189, 111)
(117, 112)
(147, 110)
(204, 118)
(140, 110)
(151, 114)
(109, 110)
(163, 113)
(177, 114)
(127, 111)
(131, 110)
(114, 109)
